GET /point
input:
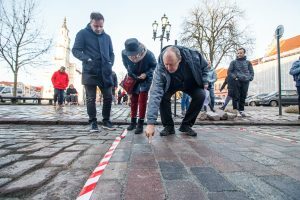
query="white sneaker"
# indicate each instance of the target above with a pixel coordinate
(242, 113)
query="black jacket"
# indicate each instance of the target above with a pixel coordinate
(115, 79)
(98, 48)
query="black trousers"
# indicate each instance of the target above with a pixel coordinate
(240, 94)
(91, 102)
(197, 95)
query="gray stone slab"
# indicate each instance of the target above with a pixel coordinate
(45, 152)
(121, 155)
(20, 145)
(181, 189)
(289, 186)
(258, 157)
(30, 181)
(20, 167)
(34, 147)
(77, 148)
(3, 152)
(107, 190)
(62, 159)
(228, 196)
(4, 181)
(88, 162)
(172, 170)
(9, 158)
(254, 187)
(97, 149)
(115, 170)
(212, 180)
(66, 185)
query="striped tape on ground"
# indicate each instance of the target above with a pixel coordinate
(91, 183)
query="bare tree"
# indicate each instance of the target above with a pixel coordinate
(21, 41)
(213, 28)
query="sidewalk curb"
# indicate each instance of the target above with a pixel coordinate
(80, 122)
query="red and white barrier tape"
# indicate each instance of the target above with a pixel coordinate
(91, 183)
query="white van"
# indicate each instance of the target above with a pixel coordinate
(7, 91)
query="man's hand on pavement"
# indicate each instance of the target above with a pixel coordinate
(150, 130)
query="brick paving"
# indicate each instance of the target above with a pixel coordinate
(48, 153)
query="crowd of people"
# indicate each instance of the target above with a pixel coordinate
(154, 81)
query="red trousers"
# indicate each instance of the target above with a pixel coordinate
(139, 101)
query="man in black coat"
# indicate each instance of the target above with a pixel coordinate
(94, 48)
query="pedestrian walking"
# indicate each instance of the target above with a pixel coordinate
(212, 78)
(179, 69)
(94, 48)
(230, 92)
(115, 87)
(140, 64)
(60, 81)
(295, 72)
(241, 71)
(185, 103)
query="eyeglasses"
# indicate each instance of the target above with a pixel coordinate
(135, 56)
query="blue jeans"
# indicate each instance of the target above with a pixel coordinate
(59, 96)
(185, 101)
(212, 97)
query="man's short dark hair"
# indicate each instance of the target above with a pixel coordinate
(96, 16)
(242, 49)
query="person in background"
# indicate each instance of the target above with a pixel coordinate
(72, 95)
(185, 103)
(60, 81)
(212, 78)
(115, 86)
(295, 72)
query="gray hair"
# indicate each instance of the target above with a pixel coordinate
(173, 49)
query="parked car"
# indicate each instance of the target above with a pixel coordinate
(288, 97)
(255, 100)
(219, 101)
(7, 91)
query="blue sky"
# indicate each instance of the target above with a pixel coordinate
(134, 18)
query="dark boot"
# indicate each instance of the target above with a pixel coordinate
(132, 124)
(139, 128)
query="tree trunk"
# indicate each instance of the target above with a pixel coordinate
(15, 84)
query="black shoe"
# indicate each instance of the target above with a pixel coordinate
(107, 125)
(222, 108)
(168, 130)
(94, 127)
(139, 128)
(132, 124)
(188, 130)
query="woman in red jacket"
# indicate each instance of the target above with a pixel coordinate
(60, 81)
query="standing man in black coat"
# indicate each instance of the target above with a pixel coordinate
(94, 48)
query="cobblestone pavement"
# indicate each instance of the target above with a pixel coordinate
(120, 115)
(222, 162)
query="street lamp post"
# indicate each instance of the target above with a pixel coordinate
(278, 34)
(165, 30)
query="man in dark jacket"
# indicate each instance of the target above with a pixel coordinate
(178, 69)
(94, 48)
(295, 72)
(241, 71)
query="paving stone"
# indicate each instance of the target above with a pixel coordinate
(191, 159)
(254, 187)
(182, 190)
(172, 170)
(228, 196)
(223, 164)
(77, 148)
(4, 181)
(30, 181)
(115, 170)
(65, 185)
(289, 170)
(141, 148)
(212, 180)
(19, 168)
(61, 145)
(45, 152)
(121, 155)
(64, 158)
(97, 149)
(144, 184)
(107, 190)
(257, 168)
(290, 187)
(143, 160)
(34, 147)
(9, 158)
(20, 145)
(3, 152)
(88, 162)
(258, 157)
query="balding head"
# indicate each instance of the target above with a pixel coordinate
(171, 58)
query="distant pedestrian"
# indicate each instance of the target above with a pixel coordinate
(295, 72)
(241, 71)
(230, 92)
(60, 81)
(140, 64)
(212, 78)
(72, 95)
(94, 48)
(185, 103)
(115, 87)
(119, 97)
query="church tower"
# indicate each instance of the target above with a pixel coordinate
(62, 55)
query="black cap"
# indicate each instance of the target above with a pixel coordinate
(132, 47)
